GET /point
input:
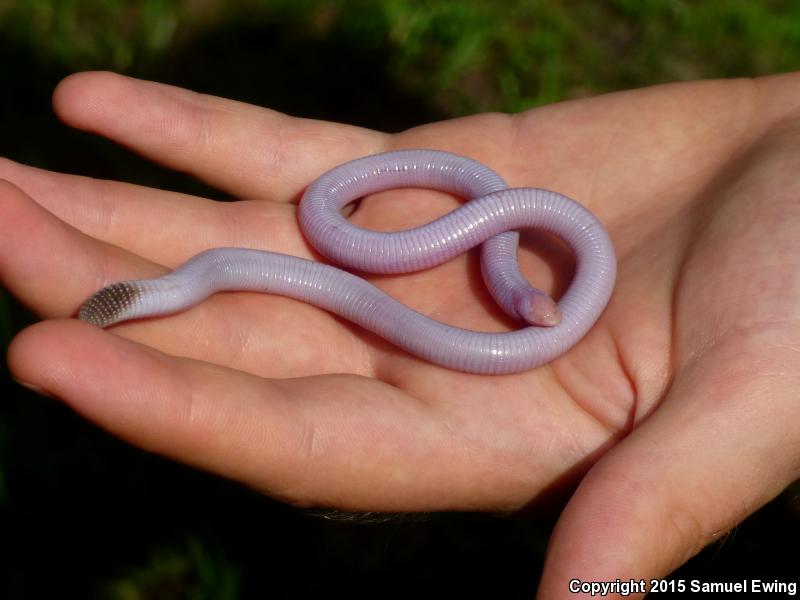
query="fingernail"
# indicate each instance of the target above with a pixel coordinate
(35, 388)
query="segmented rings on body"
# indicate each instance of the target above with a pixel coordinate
(490, 218)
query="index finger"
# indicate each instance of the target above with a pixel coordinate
(245, 150)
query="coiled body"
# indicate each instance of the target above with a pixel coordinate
(490, 218)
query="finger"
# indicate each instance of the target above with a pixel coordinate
(46, 263)
(724, 444)
(342, 441)
(163, 227)
(248, 151)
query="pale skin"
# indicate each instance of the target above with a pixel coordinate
(676, 417)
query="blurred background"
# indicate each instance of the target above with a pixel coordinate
(81, 514)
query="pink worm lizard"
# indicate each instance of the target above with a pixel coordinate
(489, 218)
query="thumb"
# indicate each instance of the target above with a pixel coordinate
(722, 444)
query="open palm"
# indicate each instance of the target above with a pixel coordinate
(691, 375)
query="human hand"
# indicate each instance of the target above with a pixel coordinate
(688, 376)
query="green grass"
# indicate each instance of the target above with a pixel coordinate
(186, 570)
(86, 516)
(463, 55)
(108, 34)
